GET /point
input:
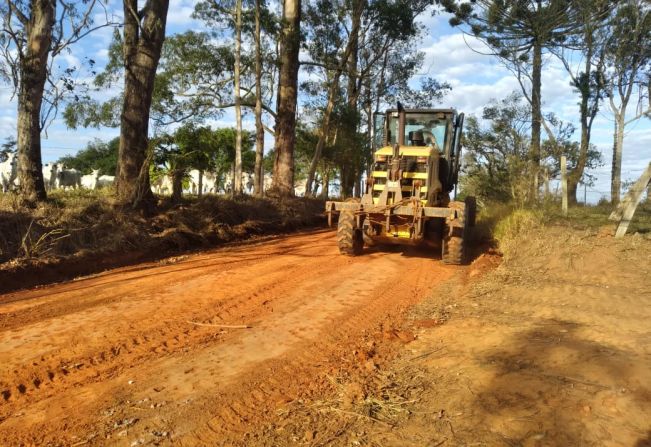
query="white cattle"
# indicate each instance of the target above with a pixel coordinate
(193, 187)
(8, 171)
(247, 183)
(68, 178)
(299, 188)
(228, 183)
(162, 185)
(267, 181)
(50, 171)
(90, 181)
(105, 181)
(208, 182)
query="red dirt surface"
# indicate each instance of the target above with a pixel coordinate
(161, 354)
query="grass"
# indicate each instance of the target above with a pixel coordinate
(506, 224)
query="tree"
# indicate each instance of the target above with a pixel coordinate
(337, 61)
(237, 187)
(350, 44)
(588, 78)
(97, 155)
(143, 36)
(33, 34)
(245, 18)
(512, 31)
(8, 146)
(259, 128)
(283, 173)
(495, 161)
(628, 55)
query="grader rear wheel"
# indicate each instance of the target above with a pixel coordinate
(454, 237)
(349, 237)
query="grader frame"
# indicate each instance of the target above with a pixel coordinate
(417, 155)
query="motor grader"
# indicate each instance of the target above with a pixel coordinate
(416, 160)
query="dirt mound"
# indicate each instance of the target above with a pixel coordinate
(83, 233)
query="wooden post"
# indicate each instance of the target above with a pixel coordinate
(564, 183)
(626, 208)
(585, 195)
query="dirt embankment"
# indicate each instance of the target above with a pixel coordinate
(80, 233)
(552, 348)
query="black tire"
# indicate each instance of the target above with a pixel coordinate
(368, 240)
(349, 237)
(471, 210)
(453, 245)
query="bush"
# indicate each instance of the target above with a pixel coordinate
(510, 229)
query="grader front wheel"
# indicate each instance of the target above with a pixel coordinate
(454, 237)
(349, 237)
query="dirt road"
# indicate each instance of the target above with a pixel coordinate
(159, 353)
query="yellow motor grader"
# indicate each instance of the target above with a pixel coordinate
(416, 160)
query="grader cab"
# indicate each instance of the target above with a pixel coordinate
(416, 160)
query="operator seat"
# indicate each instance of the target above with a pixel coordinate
(416, 138)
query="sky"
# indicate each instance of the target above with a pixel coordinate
(449, 56)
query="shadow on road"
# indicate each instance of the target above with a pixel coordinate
(553, 387)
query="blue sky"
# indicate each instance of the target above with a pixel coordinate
(475, 80)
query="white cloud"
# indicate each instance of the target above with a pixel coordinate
(180, 12)
(453, 50)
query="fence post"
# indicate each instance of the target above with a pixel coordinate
(564, 183)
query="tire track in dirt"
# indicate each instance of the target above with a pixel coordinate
(167, 334)
(82, 366)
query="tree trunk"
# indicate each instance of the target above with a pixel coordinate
(200, 185)
(587, 114)
(352, 90)
(238, 99)
(326, 184)
(349, 58)
(536, 116)
(323, 133)
(283, 175)
(142, 47)
(259, 129)
(33, 73)
(616, 171)
(177, 185)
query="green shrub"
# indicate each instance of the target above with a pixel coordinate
(510, 229)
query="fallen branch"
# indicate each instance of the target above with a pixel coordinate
(223, 326)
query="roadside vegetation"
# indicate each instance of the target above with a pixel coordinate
(83, 231)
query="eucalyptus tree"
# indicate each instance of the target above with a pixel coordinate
(229, 13)
(143, 35)
(583, 56)
(133, 61)
(289, 42)
(628, 76)
(249, 21)
(352, 39)
(33, 33)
